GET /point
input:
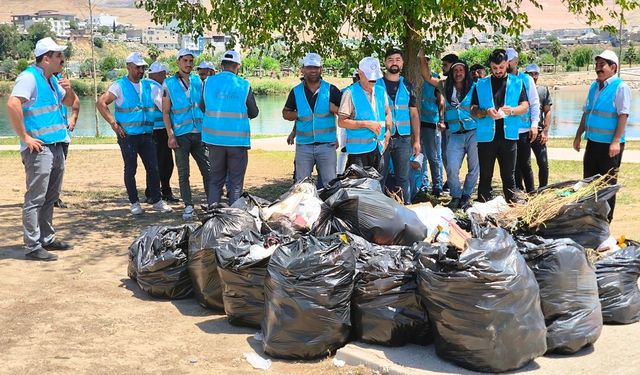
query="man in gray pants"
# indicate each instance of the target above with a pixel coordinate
(34, 109)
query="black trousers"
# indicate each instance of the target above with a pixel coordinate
(504, 150)
(597, 161)
(165, 161)
(523, 164)
(540, 151)
(370, 159)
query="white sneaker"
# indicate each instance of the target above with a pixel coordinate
(162, 206)
(188, 213)
(136, 209)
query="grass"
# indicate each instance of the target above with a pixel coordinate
(567, 142)
(112, 140)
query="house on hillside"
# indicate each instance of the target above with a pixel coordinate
(59, 22)
(206, 43)
(163, 39)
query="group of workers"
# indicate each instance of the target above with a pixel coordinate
(380, 124)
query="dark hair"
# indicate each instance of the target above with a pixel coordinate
(467, 80)
(451, 58)
(477, 66)
(39, 58)
(393, 51)
(498, 56)
(228, 64)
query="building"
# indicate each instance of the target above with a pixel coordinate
(133, 35)
(162, 38)
(59, 22)
(104, 20)
(206, 43)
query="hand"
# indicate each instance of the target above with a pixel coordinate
(33, 144)
(118, 130)
(71, 124)
(576, 143)
(291, 138)
(544, 137)
(614, 149)
(173, 142)
(491, 112)
(65, 83)
(533, 134)
(416, 148)
(507, 110)
(442, 126)
(374, 126)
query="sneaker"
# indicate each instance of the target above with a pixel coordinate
(58, 245)
(465, 202)
(162, 206)
(454, 204)
(136, 209)
(188, 213)
(41, 254)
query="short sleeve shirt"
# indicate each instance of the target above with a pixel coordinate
(27, 88)
(392, 89)
(347, 109)
(116, 90)
(334, 97)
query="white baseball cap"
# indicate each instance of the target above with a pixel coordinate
(511, 54)
(206, 65)
(532, 68)
(184, 52)
(370, 66)
(312, 59)
(608, 55)
(136, 58)
(232, 56)
(45, 45)
(158, 67)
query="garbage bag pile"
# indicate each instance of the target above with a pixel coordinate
(296, 210)
(354, 176)
(618, 275)
(568, 292)
(308, 298)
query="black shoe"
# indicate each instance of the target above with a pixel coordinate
(59, 204)
(171, 198)
(41, 254)
(58, 245)
(436, 193)
(454, 204)
(148, 200)
(465, 202)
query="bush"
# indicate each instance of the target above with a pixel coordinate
(6, 87)
(81, 88)
(270, 87)
(22, 65)
(98, 42)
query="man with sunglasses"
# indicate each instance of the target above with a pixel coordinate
(500, 105)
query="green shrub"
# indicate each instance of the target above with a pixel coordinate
(269, 86)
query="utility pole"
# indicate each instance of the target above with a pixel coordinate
(93, 71)
(620, 39)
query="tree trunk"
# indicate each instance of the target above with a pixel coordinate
(411, 70)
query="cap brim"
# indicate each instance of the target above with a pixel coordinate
(139, 63)
(375, 75)
(312, 65)
(230, 60)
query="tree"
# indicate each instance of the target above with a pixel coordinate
(325, 26)
(73, 25)
(107, 64)
(104, 30)
(8, 66)
(581, 56)
(113, 27)
(24, 49)
(38, 31)
(630, 55)
(9, 38)
(98, 42)
(476, 55)
(153, 52)
(556, 50)
(22, 65)
(69, 51)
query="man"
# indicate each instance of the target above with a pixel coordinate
(183, 120)
(364, 112)
(458, 92)
(34, 109)
(434, 138)
(206, 69)
(157, 74)
(604, 119)
(342, 133)
(229, 104)
(405, 128)
(529, 130)
(132, 95)
(477, 71)
(499, 104)
(71, 125)
(539, 146)
(312, 104)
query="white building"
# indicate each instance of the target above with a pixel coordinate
(59, 22)
(162, 38)
(104, 20)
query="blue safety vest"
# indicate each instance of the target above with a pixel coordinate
(65, 115)
(186, 115)
(361, 141)
(526, 118)
(429, 103)
(153, 114)
(460, 115)
(43, 119)
(487, 126)
(318, 125)
(601, 115)
(400, 115)
(226, 122)
(130, 115)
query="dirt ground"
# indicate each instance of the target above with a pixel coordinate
(82, 314)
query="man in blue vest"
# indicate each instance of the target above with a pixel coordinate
(206, 69)
(539, 146)
(604, 119)
(477, 71)
(157, 74)
(183, 120)
(34, 109)
(364, 112)
(499, 104)
(71, 120)
(133, 95)
(312, 104)
(229, 104)
(529, 131)
(405, 130)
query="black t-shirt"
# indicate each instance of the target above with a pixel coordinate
(392, 89)
(335, 95)
(499, 88)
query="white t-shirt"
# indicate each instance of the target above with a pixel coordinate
(156, 93)
(27, 88)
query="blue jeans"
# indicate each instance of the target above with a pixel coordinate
(399, 151)
(432, 150)
(228, 164)
(322, 155)
(131, 146)
(460, 145)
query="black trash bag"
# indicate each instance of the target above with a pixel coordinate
(371, 215)
(386, 305)
(484, 306)
(254, 206)
(307, 298)
(160, 261)
(354, 176)
(220, 226)
(568, 292)
(242, 277)
(618, 275)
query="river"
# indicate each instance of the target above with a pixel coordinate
(567, 109)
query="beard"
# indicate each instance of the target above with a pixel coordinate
(394, 69)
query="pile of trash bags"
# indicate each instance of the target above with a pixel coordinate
(618, 275)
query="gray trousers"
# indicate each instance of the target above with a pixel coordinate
(44, 171)
(228, 164)
(191, 144)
